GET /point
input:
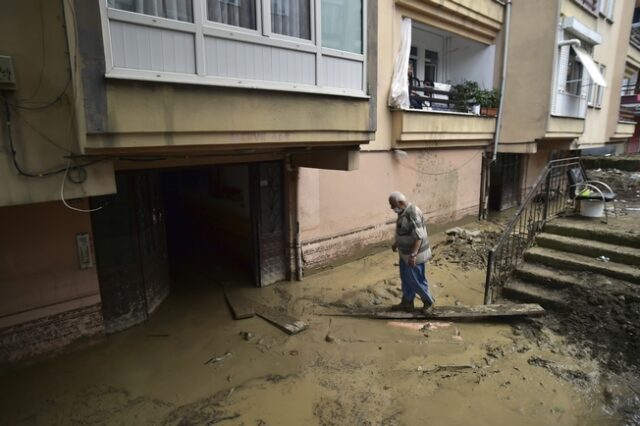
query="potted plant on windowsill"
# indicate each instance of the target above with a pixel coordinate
(489, 101)
(463, 96)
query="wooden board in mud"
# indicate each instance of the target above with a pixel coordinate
(284, 322)
(450, 312)
(241, 308)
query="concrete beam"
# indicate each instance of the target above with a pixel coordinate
(335, 159)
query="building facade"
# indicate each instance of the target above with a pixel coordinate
(174, 131)
(254, 140)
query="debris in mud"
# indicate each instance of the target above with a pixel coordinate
(465, 247)
(216, 359)
(570, 373)
(450, 367)
(247, 335)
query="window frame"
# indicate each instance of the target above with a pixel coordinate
(202, 26)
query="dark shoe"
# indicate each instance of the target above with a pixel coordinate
(405, 306)
(427, 309)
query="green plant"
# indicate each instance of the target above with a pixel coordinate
(488, 98)
(464, 94)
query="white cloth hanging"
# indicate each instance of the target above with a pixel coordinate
(399, 93)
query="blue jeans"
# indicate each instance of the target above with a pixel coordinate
(414, 282)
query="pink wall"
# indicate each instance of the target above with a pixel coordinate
(39, 268)
(341, 212)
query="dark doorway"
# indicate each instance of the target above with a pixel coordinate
(504, 191)
(224, 223)
(131, 251)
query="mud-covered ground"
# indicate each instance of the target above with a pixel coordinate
(192, 364)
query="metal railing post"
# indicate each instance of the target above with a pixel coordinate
(547, 195)
(488, 289)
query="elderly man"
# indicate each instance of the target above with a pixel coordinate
(412, 243)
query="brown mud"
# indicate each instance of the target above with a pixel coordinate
(341, 371)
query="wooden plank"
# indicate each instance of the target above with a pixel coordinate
(241, 308)
(284, 322)
(451, 312)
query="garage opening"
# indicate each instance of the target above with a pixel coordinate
(221, 222)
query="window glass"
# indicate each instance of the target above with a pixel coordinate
(181, 10)
(574, 75)
(291, 18)
(342, 25)
(239, 13)
(430, 66)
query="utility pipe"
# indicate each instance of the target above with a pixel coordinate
(505, 61)
(571, 42)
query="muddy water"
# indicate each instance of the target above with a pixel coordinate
(367, 372)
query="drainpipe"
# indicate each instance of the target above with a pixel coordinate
(503, 77)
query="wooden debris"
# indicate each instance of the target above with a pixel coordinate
(284, 322)
(241, 308)
(215, 359)
(451, 312)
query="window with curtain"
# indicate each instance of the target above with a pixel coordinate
(291, 18)
(342, 25)
(239, 13)
(181, 10)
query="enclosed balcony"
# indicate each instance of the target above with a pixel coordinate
(450, 87)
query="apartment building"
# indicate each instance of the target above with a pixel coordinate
(174, 131)
(253, 140)
(566, 63)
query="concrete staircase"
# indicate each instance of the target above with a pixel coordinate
(564, 259)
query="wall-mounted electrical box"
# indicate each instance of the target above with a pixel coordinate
(7, 74)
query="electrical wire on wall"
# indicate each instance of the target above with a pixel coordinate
(74, 170)
(83, 173)
(422, 172)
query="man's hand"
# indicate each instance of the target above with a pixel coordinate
(412, 261)
(394, 247)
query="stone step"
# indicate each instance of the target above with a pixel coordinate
(523, 291)
(578, 262)
(545, 277)
(590, 248)
(594, 231)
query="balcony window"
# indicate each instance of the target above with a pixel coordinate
(180, 10)
(314, 46)
(574, 75)
(238, 13)
(342, 25)
(578, 79)
(291, 18)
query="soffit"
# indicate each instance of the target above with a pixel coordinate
(479, 20)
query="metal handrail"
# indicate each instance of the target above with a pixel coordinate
(547, 199)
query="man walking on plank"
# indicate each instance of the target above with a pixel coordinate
(412, 244)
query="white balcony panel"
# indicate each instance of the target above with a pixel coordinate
(141, 47)
(237, 59)
(342, 73)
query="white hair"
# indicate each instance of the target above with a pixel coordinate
(397, 197)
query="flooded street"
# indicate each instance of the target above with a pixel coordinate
(340, 371)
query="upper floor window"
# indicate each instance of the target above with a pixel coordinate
(342, 25)
(590, 5)
(239, 13)
(573, 84)
(298, 45)
(606, 8)
(181, 10)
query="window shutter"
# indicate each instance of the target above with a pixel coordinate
(600, 95)
(563, 65)
(602, 6)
